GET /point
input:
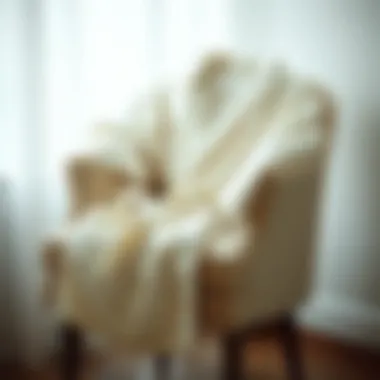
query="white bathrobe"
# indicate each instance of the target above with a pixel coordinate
(131, 262)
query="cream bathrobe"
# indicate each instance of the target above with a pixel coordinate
(167, 206)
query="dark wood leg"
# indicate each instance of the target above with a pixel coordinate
(291, 347)
(163, 367)
(232, 365)
(71, 355)
(285, 326)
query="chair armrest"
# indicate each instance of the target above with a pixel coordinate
(91, 182)
(279, 274)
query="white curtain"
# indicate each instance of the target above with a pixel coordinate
(66, 63)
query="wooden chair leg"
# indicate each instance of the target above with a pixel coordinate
(71, 355)
(163, 367)
(292, 350)
(232, 365)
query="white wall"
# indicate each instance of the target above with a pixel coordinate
(337, 40)
(342, 48)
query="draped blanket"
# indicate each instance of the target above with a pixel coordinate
(175, 185)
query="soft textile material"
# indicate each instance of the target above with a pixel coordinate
(180, 191)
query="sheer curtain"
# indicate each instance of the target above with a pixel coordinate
(66, 63)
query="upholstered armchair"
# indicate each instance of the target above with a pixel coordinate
(235, 299)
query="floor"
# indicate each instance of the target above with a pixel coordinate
(325, 360)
